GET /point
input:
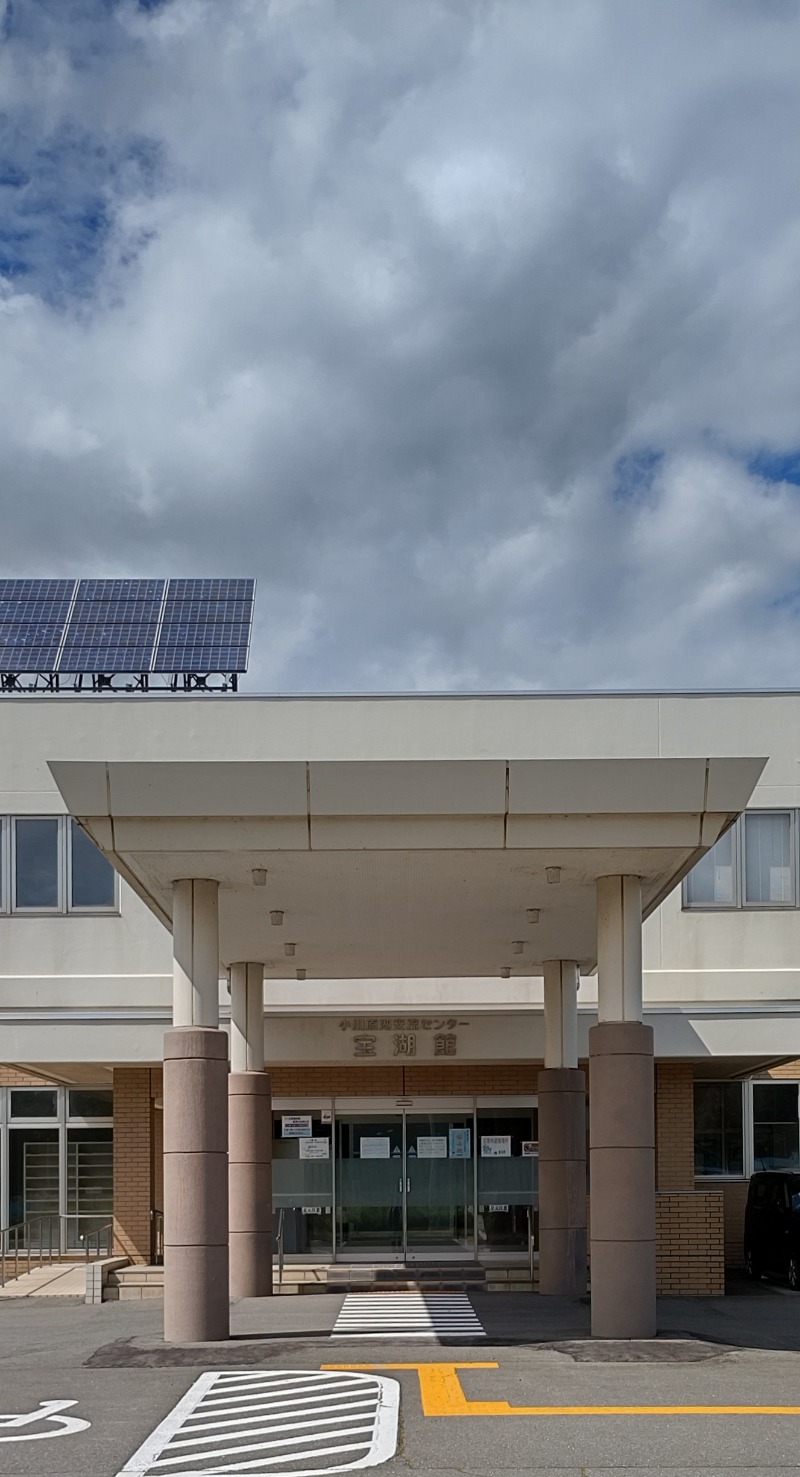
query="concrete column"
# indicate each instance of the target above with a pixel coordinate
(195, 949)
(195, 1185)
(622, 1127)
(247, 1017)
(196, 1305)
(562, 1139)
(250, 1140)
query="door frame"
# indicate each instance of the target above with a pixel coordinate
(463, 1105)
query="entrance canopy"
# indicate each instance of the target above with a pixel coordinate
(418, 837)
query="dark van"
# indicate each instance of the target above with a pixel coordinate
(772, 1225)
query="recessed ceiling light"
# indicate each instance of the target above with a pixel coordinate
(289, 950)
(276, 917)
(505, 973)
(300, 974)
(518, 946)
(259, 876)
(553, 874)
(533, 915)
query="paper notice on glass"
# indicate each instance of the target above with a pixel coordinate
(496, 1146)
(460, 1147)
(374, 1148)
(530, 1148)
(431, 1146)
(296, 1125)
(315, 1148)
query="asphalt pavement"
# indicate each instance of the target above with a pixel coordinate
(532, 1393)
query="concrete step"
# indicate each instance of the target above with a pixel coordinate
(128, 1284)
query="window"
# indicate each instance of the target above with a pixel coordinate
(718, 1128)
(33, 1102)
(92, 879)
(49, 865)
(754, 865)
(712, 882)
(95, 1102)
(776, 1130)
(36, 862)
(768, 858)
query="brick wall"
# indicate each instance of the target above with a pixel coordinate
(735, 1197)
(13, 1077)
(690, 1243)
(674, 1126)
(388, 1080)
(789, 1069)
(133, 1161)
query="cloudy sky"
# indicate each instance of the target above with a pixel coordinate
(470, 327)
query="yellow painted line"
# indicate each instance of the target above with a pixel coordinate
(442, 1395)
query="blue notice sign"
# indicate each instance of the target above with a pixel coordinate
(460, 1147)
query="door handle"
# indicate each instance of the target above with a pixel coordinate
(400, 1185)
(408, 1184)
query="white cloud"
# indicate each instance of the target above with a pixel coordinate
(375, 301)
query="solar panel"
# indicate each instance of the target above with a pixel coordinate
(113, 626)
(198, 626)
(33, 615)
(205, 626)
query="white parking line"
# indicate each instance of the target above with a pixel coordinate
(269, 1422)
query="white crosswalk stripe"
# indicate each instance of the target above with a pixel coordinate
(278, 1423)
(420, 1315)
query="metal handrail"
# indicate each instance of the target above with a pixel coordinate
(157, 1237)
(89, 1238)
(6, 1251)
(40, 1241)
(279, 1239)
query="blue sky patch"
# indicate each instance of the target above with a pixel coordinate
(634, 474)
(776, 466)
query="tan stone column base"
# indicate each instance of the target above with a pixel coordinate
(250, 1179)
(196, 1307)
(562, 1181)
(622, 1163)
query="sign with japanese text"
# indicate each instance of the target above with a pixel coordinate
(296, 1125)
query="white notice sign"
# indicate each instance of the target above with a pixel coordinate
(374, 1148)
(431, 1146)
(496, 1146)
(315, 1148)
(296, 1125)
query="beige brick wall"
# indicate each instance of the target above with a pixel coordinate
(388, 1080)
(674, 1126)
(13, 1077)
(134, 1115)
(690, 1243)
(789, 1069)
(735, 1197)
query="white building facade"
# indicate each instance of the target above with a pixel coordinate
(396, 937)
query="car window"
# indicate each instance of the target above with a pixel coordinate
(796, 1201)
(778, 1197)
(759, 1192)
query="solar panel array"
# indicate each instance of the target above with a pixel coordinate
(125, 625)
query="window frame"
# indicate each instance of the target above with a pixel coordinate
(768, 907)
(745, 1088)
(688, 906)
(64, 907)
(740, 904)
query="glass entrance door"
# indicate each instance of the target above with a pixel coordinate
(440, 1185)
(370, 1185)
(405, 1185)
